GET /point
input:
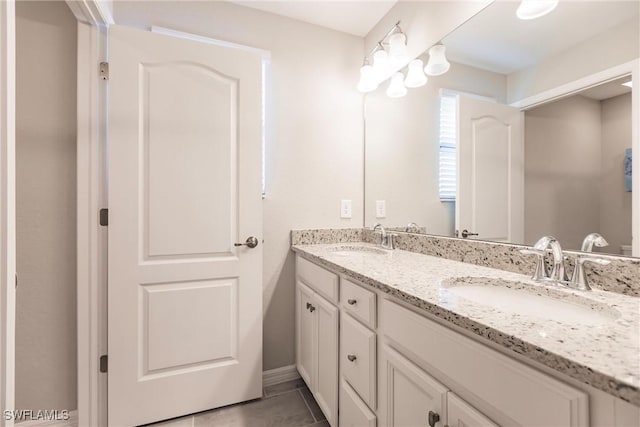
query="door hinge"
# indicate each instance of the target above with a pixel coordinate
(104, 70)
(104, 363)
(104, 217)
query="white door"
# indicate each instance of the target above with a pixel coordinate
(409, 396)
(461, 414)
(7, 208)
(185, 304)
(490, 195)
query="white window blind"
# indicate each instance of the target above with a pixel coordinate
(448, 141)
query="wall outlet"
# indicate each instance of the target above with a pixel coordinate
(381, 208)
(345, 209)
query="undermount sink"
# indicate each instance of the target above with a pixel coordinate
(531, 300)
(357, 250)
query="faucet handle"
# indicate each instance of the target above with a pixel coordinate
(540, 272)
(579, 277)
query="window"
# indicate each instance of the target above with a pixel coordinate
(448, 141)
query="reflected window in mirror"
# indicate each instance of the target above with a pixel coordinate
(448, 143)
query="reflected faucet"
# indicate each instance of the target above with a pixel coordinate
(591, 240)
(412, 226)
(386, 240)
(557, 272)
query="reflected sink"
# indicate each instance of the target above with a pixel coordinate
(357, 250)
(531, 300)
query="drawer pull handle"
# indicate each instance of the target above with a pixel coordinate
(351, 357)
(434, 417)
(352, 301)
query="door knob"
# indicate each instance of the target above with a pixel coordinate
(251, 242)
(465, 234)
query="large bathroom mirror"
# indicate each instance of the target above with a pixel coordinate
(571, 174)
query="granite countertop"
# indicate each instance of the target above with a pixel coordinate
(605, 355)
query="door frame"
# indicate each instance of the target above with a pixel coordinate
(631, 68)
(7, 209)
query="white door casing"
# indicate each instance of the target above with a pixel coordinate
(490, 194)
(7, 209)
(185, 304)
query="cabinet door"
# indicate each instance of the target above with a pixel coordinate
(407, 393)
(461, 414)
(326, 385)
(305, 333)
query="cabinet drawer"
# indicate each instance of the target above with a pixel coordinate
(320, 280)
(358, 358)
(353, 411)
(524, 395)
(359, 302)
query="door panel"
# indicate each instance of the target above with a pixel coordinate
(490, 198)
(326, 390)
(185, 305)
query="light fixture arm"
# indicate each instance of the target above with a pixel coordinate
(382, 41)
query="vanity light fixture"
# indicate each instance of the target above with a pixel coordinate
(438, 63)
(415, 75)
(384, 62)
(532, 9)
(396, 87)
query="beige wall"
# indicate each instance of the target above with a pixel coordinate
(46, 206)
(618, 46)
(562, 170)
(402, 149)
(314, 134)
(615, 202)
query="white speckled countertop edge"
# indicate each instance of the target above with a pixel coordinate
(606, 357)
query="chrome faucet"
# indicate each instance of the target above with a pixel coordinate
(558, 273)
(579, 276)
(412, 226)
(591, 240)
(386, 239)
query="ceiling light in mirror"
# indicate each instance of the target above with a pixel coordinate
(398, 50)
(532, 9)
(396, 87)
(438, 63)
(367, 81)
(415, 75)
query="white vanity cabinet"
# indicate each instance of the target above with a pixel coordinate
(317, 334)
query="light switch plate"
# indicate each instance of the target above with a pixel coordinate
(345, 209)
(381, 208)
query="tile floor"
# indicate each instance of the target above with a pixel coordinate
(288, 404)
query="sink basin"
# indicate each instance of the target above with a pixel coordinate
(530, 300)
(357, 250)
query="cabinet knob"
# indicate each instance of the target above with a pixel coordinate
(351, 357)
(351, 302)
(434, 417)
(308, 305)
(312, 309)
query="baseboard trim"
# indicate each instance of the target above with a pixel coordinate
(71, 422)
(279, 375)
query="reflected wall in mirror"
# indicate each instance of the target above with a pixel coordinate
(572, 171)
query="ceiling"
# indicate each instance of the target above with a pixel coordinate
(496, 40)
(354, 17)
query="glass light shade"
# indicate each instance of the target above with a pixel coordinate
(367, 81)
(381, 63)
(415, 75)
(396, 87)
(438, 63)
(532, 9)
(398, 49)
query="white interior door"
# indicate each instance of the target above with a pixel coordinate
(490, 194)
(185, 304)
(7, 209)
